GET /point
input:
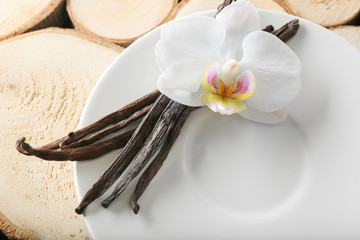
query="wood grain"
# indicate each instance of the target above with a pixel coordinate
(45, 79)
(17, 16)
(192, 6)
(350, 33)
(120, 21)
(327, 13)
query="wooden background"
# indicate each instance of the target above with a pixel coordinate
(46, 75)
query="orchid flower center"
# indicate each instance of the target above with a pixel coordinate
(229, 71)
(227, 85)
(227, 80)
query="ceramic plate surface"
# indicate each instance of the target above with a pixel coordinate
(229, 178)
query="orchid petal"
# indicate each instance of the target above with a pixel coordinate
(209, 76)
(273, 92)
(182, 69)
(277, 70)
(201, 35)
(263, 117)
(187, 98)
(238, 19)
(186, 48)
(245, 86)
(267, 53)
(223, 105)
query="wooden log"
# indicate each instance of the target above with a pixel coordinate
(328, 13)
(17, 17)
(13, 231)
(192, 6)
(45, 79)
(120, 21)
(350, 33)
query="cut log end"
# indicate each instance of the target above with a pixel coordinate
(16, 18)
(120, 21)
(193, 6)
(349, 33)
(327, 13)
(43, 99)
(14, 232)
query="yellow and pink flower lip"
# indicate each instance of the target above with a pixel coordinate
(227, 87)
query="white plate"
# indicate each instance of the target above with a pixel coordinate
(228, 178)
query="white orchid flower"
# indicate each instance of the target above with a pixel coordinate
(228, 64)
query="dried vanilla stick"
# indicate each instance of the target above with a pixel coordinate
(111, 129)
(155, 140)
(121, 162)
(156, 164)
(112, 118)
(76, 154)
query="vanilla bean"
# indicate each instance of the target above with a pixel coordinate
(76, 154)
(268, 28)
(137, 165)
(112, 118)
(163, 126)
(156, 164)
(223, 5)
(112, 129)
(289, 33)
(121, 162)
(288, 30)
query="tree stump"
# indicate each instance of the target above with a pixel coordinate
(327, 13)
(350, 33)
(45, 79)
(17, 17)
(192, 6)
(120, 21)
